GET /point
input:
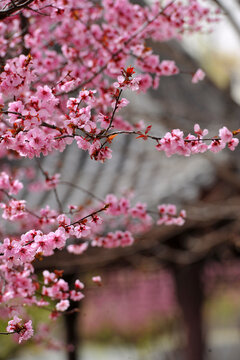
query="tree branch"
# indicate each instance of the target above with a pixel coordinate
(230, 16)
(13, 7)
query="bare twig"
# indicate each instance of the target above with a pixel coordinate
(230, 16)
(60, 208)
(45, 174)
(82, 189)
(114, 111)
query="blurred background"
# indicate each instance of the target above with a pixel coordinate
(174, 295)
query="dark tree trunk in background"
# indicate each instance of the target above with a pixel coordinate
(190, 296)
(71, 325)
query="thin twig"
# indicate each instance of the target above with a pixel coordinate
(87, 216)
(82, 189)
(114, 111)
(41, 168)
(45, 173)
(60, 208)
(230, 16)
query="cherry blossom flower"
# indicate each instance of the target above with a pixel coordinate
(225, 134)
(97, 280)
(24, 331)
(63, 305)
(198, 76)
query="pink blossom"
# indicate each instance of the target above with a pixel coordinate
(168, 215)
(82, 143)
(225, 134)
(52, 181)
(198, 76)
(216, 146)
(168, 68)
(97, 280)
(13, 186)
(24, 331)
(14, 209)
(104, 121)
(81, 230)
(122, 103)
(76, 295)
(79, 285)
(62, 305)
(233, 143)
(49, 277)
(200, 132)
(77, 249)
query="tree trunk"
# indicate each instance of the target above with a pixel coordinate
(71, 326)
(190, 296)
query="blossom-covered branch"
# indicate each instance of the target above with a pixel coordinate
(62, 82)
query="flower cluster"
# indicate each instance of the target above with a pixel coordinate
(14, 209)
(113, 240)
(126, 81)
(58, 289)
(175, 142)
(9, 184)
(37, 117)
(24, 331)
(168, 215)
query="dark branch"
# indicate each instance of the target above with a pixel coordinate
(230, 16)
(13, 7)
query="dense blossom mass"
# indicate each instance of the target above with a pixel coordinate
(64, 70)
